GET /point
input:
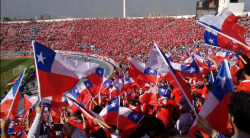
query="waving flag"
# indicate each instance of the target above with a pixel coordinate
(57, 73)
(175, 80)
(214, 108)
(128, 118)
(223, 31)
(94, 82)
(141, 72)
(10, 102)
(164, 91)
(110, 112)
(87, 113)
(29, 102)
(191, 71)
(149, 97)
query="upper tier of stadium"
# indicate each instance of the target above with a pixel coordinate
(110, 37)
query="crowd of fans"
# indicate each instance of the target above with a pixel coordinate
(118, 38)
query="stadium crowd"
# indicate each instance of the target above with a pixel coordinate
(118, 38)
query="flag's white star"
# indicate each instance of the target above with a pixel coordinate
(222, 81)
(107, 84)
(135, 117)
(40, 58)
(192, 70)
(162, 90)
(151, 71)
(100, 72)
(113, 104)
(87, 84)
(211, 40)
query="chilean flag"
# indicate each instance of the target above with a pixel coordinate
(80, 94)
(87, 113)
(110, 112)
(159, 63)
(149, 97)
(191, 71)
(128, 118)
(29, 102)
(225, 23)
(215, 107)
(164, 91)
(94, 81)
(141, 72)
(57, 73)
(9, 104)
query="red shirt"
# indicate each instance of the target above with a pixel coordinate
(244, 86)
(77, 124)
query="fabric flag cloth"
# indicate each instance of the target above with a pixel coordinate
(128, 118)
(224, 23)
(80, 94)
(94, 81)
(57, 73)
(29, 102)
(110, 112)
(11, 99)
(87, 113)
(140, 72)
(192, 71)
(158, 63)
(214, 109)
(149, 97)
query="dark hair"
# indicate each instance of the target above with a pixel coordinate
(97, 109)
(239, 75)
(77, 114)
(247, 69)
(132, 102)
(239, 108)
(201, 99)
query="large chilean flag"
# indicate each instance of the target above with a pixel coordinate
(11, 100)
(222, 25)
(215, 109)
(57, 73)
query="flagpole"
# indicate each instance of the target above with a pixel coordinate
(229, 37)
(37, 75)
(118, 113)
(16, 93)
(177, 81)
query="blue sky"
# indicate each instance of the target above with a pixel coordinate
(97, 8)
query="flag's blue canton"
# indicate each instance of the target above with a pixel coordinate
(223, 83)
(113, 106)
(164, 91)
(192, 68)
(149, 71)
(134, 117)
(106, 83)
(99, 72)
(210, 38)
(74, 92)
(44, 57)
(88, 84)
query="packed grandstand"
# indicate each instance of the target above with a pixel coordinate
(118, 39)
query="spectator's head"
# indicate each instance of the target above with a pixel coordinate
(131, 102)
(240, 76)
(77, 115)
(200, 101)
(246, 71)
(239, 115)
(97, 109)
